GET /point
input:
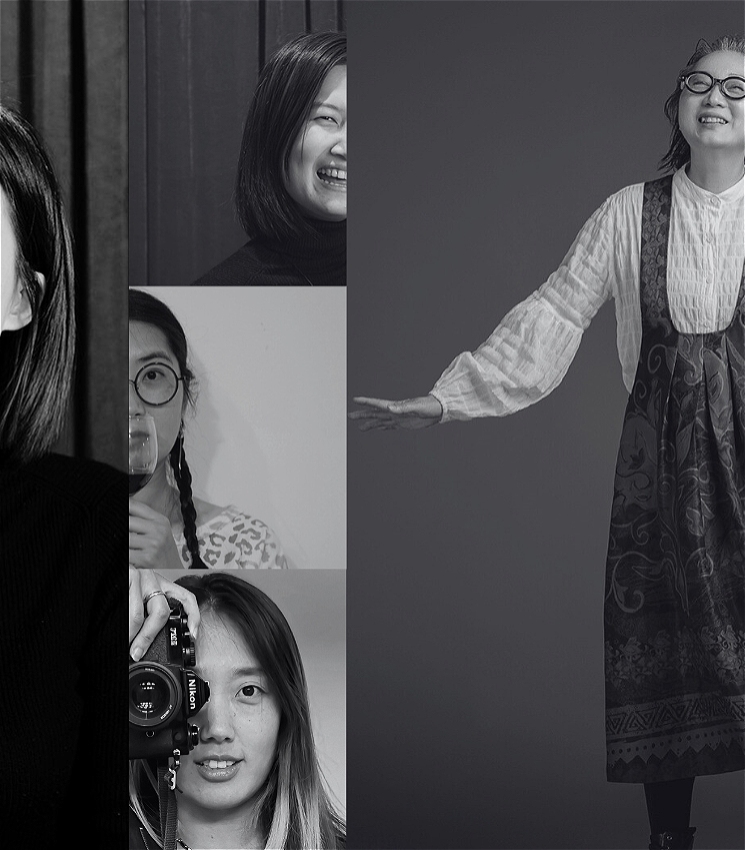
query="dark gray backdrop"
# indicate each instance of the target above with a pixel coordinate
(484, 135)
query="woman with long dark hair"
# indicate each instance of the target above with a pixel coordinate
(61, 532)
(291, 187)
(253, 779)
(169, 527)
(671, 254)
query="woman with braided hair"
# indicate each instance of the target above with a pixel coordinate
(170, 528)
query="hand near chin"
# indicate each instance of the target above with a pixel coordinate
(410, 414)
(151, 543)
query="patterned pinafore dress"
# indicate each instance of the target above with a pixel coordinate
(675, 581)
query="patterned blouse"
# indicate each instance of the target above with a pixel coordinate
(233, 540)
(527, 356)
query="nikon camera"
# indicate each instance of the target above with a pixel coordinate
(164, 693)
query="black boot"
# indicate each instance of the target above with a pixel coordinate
(681, 839)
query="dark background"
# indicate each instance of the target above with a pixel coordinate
(63, 66)
(193, 66)
(485, 134)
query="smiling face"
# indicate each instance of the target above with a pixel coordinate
(238, 727)
(712, 124)
(148, 346)
(317, 171)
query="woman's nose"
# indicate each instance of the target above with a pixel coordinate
(135, 402)
(715, 95)
(339, 148)
(215, 720)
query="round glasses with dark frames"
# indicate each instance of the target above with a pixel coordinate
(156, 384)
(700, 82)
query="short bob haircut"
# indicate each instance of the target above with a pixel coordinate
(281, 104)
(680, 151)
(294, 809)
(36, 362)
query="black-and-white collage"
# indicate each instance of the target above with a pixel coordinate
(378, 597)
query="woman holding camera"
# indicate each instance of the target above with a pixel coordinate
(169, 527)
(252, 780)
(291, 188)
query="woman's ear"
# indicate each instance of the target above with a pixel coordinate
(21, 312)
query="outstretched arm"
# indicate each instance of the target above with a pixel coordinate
(410, 414)
(527, 356)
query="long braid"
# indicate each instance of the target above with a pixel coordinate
(182, 476)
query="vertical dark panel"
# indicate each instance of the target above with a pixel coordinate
(284, 20)
(137, 144)
(104, 254)
(11, 75)
(325, 15)
(201, 60)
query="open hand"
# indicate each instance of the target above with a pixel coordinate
(382, 414)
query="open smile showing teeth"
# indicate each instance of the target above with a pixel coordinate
(333, 176)
(214, 765)
(710, 119)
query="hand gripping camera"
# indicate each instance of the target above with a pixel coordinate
(164, 693)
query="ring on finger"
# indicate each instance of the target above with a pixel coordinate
(151, 595)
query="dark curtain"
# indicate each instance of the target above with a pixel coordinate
(193, 66)
(63, 66)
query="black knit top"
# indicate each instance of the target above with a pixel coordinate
(318, 258)
(62, 545)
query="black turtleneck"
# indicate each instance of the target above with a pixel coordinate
(62, 554)
(317, 258)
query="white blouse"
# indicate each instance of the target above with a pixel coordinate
(529, 353)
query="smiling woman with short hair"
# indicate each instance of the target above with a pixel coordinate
(291, 187)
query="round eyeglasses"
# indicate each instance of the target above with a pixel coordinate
(700, 82)
(156, 384)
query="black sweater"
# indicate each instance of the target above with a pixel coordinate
(62, 544)
(316, 259)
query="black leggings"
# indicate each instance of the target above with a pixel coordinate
(669, 804)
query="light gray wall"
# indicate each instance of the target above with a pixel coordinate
(269, 432)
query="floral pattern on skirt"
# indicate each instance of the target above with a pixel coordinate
(675, 580)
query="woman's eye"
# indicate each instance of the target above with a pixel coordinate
(251, 691)
(327, 118)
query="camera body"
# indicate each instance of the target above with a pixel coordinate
(164, 692)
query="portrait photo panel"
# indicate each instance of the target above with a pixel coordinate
(490, 132)
(267, 430)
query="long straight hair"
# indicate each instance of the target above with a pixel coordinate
(679, 152)
(36, 361)
(282, 101)
(293, 810)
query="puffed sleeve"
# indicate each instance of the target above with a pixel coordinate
(529, 353)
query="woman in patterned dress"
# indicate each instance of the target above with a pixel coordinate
(671, 253)
(169, 527)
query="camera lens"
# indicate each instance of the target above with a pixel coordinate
(154, 694)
